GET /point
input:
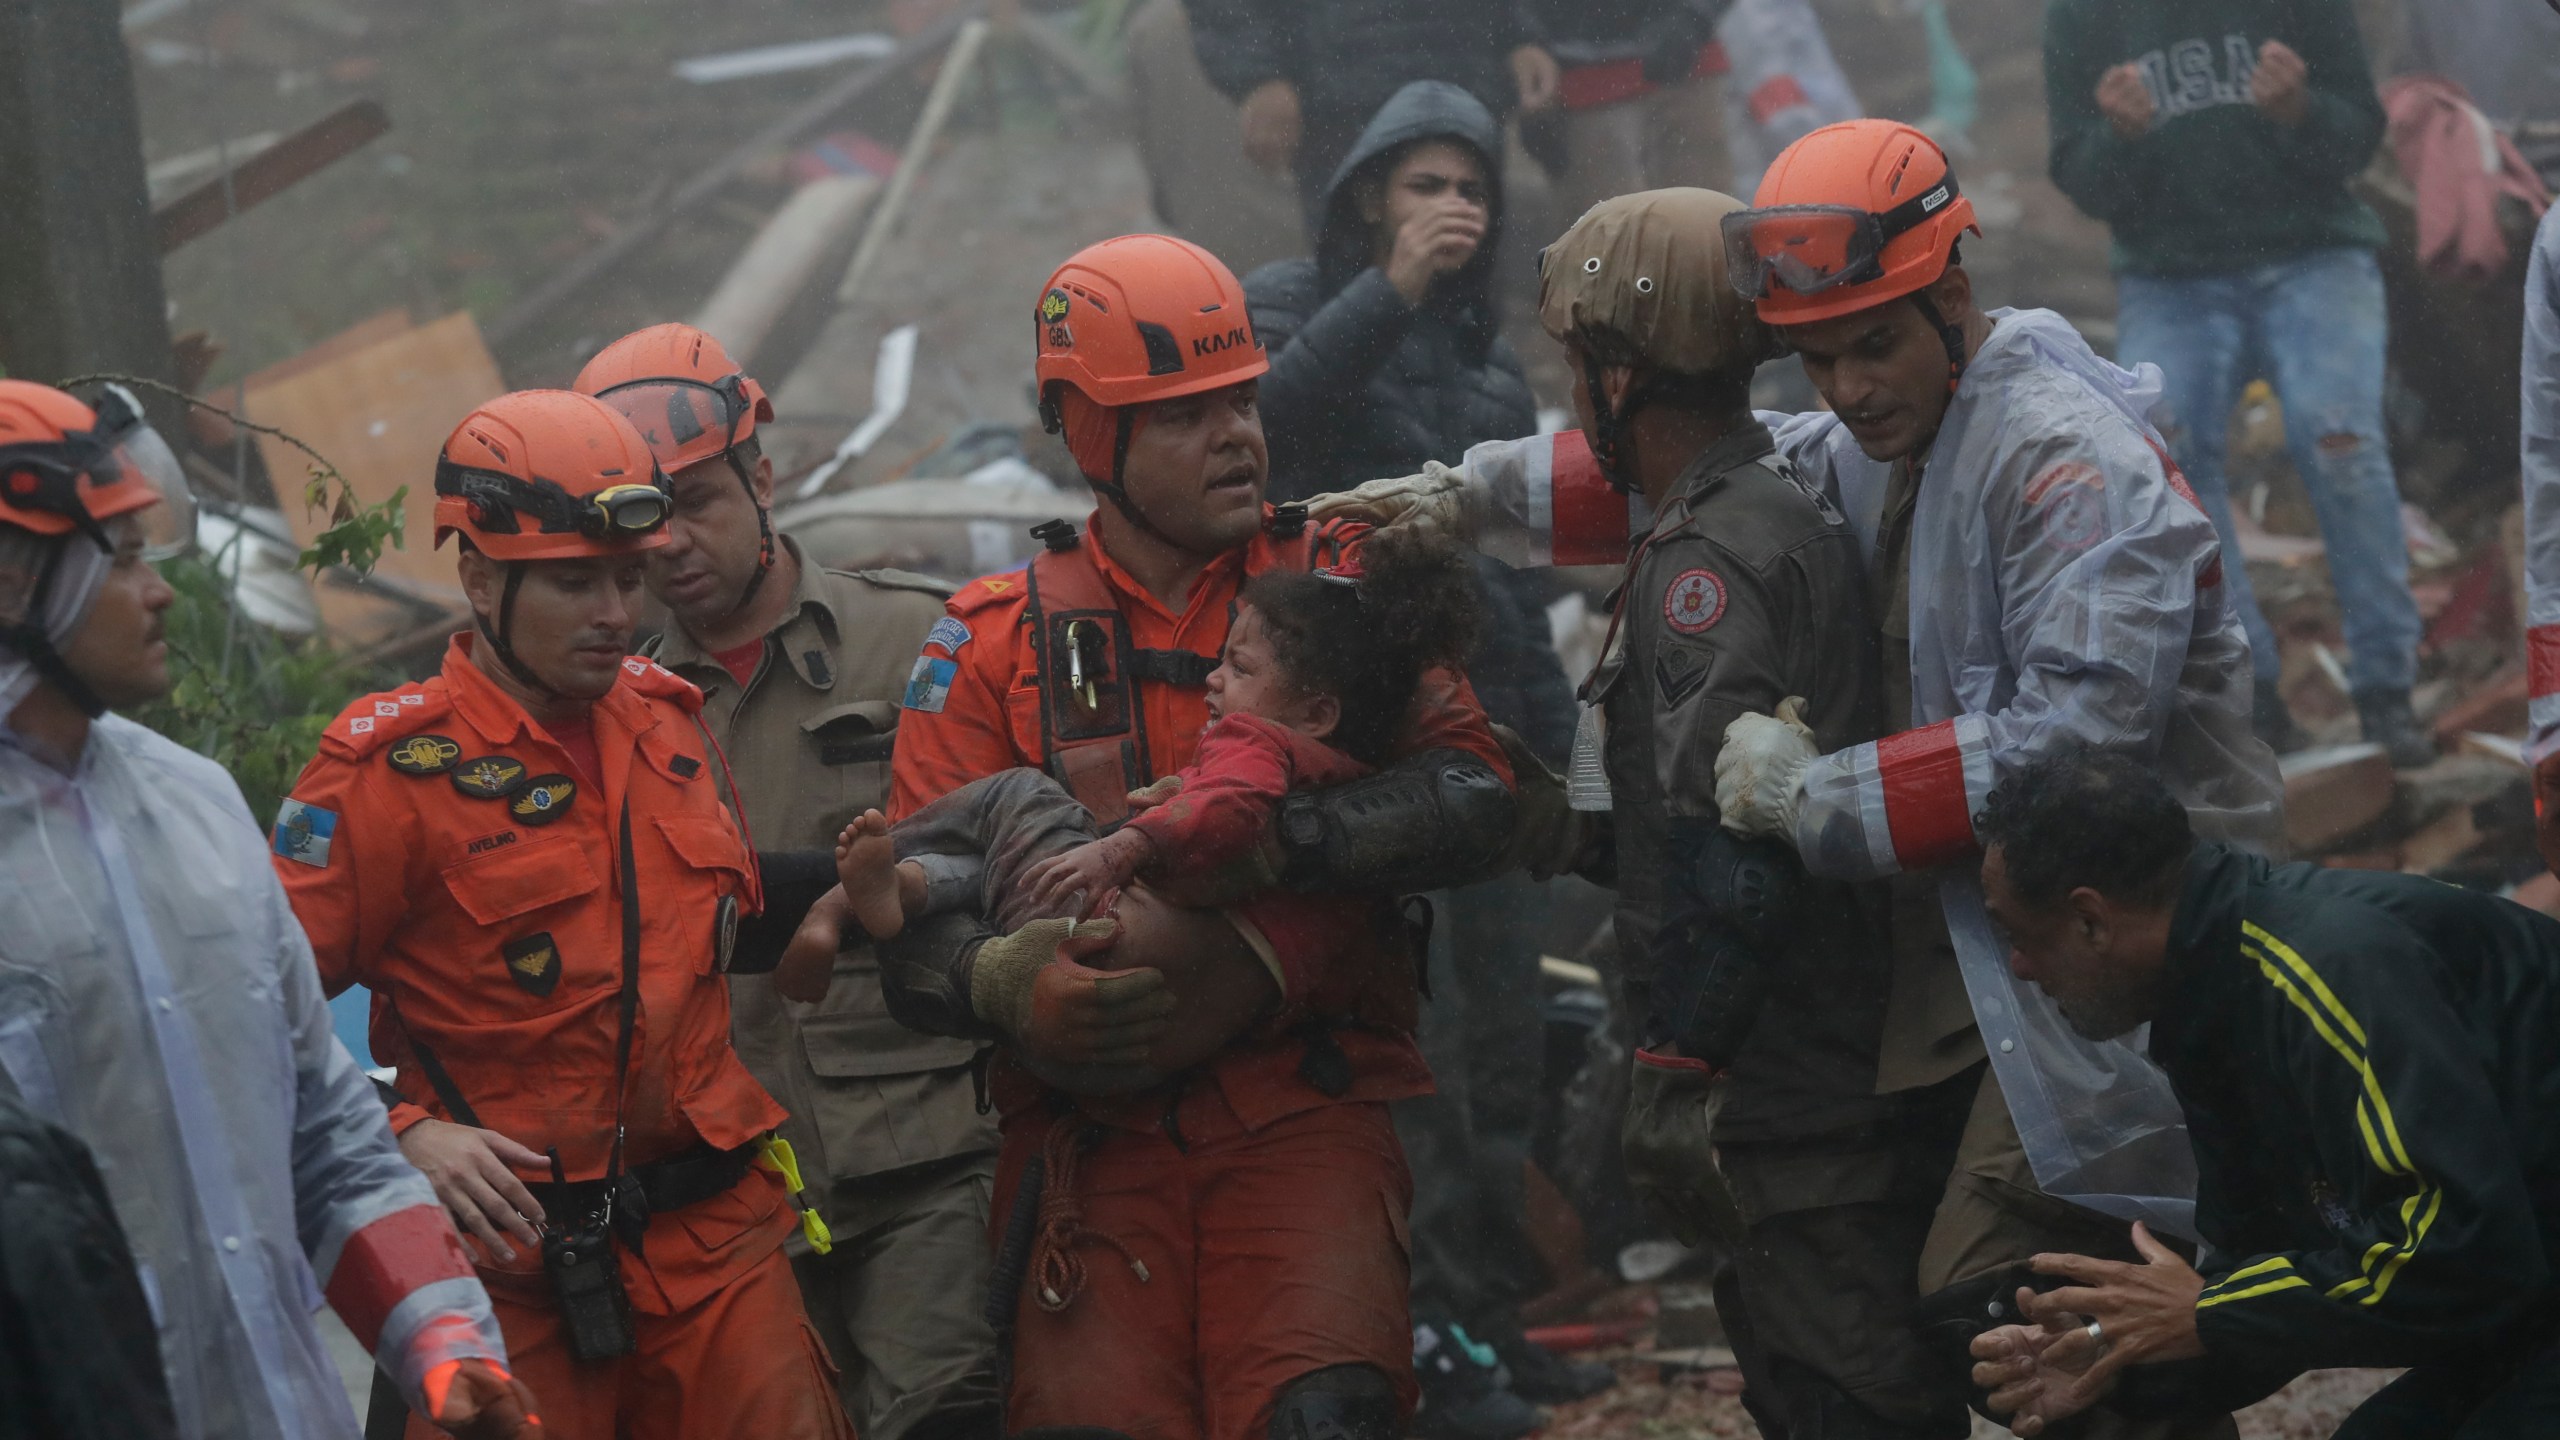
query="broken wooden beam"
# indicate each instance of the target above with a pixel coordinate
(270, 172)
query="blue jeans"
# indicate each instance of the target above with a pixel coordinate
(2313, 326)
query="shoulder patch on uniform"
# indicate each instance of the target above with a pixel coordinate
(1694, 602)
(949, 632)
(374, 720)
(1680, 670)
(656, 681)
(303, 832)
(2071, 503)
(929, 685)
(987, 592)
(895, 579)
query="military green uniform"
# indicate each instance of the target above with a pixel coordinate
(1747, 589)
(883, 1117)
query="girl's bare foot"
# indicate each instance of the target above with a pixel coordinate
(867, 867)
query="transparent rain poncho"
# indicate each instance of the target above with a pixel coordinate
(158, 1000)
(2065, 591)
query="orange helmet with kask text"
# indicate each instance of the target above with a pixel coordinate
(1144, 317)
(550, 475)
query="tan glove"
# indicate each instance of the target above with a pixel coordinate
(1670, 1153)
(1434, 502)
(1548, 836)
(1760, 772)
(1078, 1028)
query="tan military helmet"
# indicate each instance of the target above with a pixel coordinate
(1643, 276)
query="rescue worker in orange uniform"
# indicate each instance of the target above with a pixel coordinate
(529, 861)
(1223, 1255)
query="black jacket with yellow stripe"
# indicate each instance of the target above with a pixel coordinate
(2370, 1068)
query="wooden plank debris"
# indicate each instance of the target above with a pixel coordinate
(2331, 793)
(381, 414)
(270, 172)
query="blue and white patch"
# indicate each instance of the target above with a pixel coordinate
(949, 633)
(303, 833)
(929, 684)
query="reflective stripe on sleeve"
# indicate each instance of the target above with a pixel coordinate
(1922, 774)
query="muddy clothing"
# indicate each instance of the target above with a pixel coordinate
(1363, 384)
(1747, 590)
(1348, 57)
(883, 1118)
(2369, 1068)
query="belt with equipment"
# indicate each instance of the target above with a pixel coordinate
(687, 1177)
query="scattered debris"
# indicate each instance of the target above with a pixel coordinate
(381, 411)
(655, 213)
(891, 380)
(930, 525)
(783, 59)
(2331, 793)
(777, 267)
(269, 172)
(929, 121)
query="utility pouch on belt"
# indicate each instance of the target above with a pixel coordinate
(594, 1309)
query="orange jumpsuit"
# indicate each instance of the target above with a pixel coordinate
(489, 929)
(1267, 1208)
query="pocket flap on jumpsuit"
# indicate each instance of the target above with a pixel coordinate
(703, 842)
(511, 880)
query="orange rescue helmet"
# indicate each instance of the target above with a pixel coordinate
(550, 475)
(67, 466)
(679, 387)
(692, 403)
(1845, 219)
(1141, 318)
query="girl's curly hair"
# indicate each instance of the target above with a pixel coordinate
(1411, 606)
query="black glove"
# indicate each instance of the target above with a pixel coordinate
(1728, 905)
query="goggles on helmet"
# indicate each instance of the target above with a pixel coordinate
(121, 449)
(501, 503)
(685, 421)
(1812, 248)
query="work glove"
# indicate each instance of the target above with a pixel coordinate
(1760, 772)
(1670, 43)
(1548, 836)
(1671, 1157)
(1435, 502)
(1070, 1021)
(476, 1399)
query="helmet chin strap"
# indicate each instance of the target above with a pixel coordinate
(500, 637)
(1610, 423)
(1950, 335)
(1116, 489)
(765, 545)
(28, 637)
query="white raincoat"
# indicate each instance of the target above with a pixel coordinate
(2541, 452)
(158, 1000)
(2065, 589)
